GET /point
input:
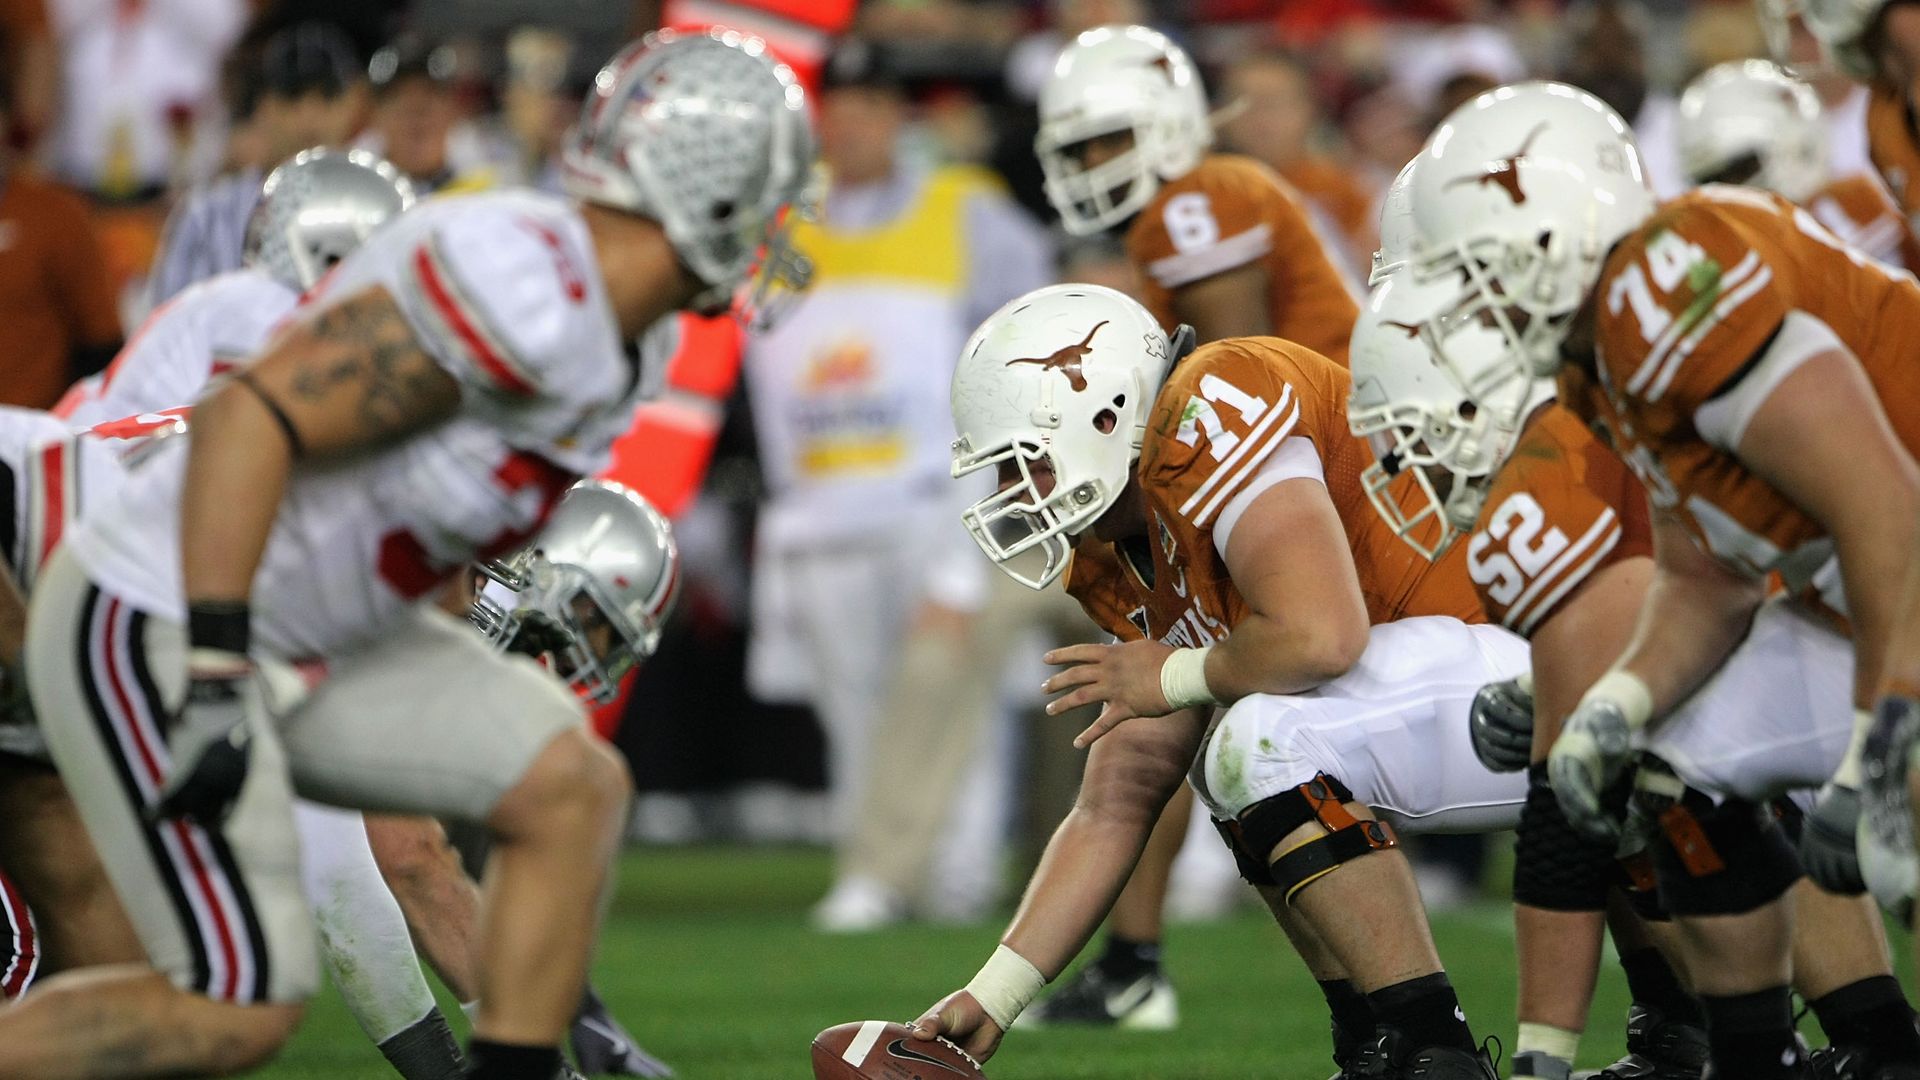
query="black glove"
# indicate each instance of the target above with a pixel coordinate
(209, 739)
(1502, 726)
(1827, 841)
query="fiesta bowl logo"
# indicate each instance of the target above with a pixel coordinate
(844, 365)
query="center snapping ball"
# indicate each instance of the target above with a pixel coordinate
(877, 1050)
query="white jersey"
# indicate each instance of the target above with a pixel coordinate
(49, 474)
(503, 291)
(202, 333)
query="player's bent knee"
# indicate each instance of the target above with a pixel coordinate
(1725, 859)
(575, 775)
(1293, 839)
(1555, 866)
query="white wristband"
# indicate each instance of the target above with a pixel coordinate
(1848, 775)
(1183, 678)
(1006, 986)
(1627, 691)
(1524, 681)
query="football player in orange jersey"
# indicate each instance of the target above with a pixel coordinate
(1878, 42)
(1751, 122)
(1559, 542)
(1213, 515)
(1221, 244)
(1749, 369)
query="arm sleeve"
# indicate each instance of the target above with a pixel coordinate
(1294, 459)
(494, 299)
(1723, 418)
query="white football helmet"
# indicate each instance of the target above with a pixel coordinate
(1062, 378)
(708, 135)
(598, 582)
(1422, 399)
(316, 208)
(1517, 198)
(1109, 80)
(1754, 109)
(1396, 227)
(1841, 27)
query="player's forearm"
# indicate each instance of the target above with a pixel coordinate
(1129, 778)
(1266, 656)
(1689, 624)
(237, 468)
(1875, 551)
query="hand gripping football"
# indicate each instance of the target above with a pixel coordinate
(877, 1050)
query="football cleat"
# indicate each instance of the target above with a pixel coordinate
(604, 1048)
(1536, 1066)
(1658, 1049)
(858, 905)
(1389, 1058)
(1092, 998)
(1855, 1063)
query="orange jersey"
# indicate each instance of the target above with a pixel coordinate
(1893, 146)
(1228, 213)
(1692, 309)
(1563, 508)
(1860, 210)
(1220, 418)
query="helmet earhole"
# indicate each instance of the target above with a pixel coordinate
(722, 210)
(1105, 421)
(1119, 401)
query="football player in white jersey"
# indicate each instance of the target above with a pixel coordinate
(261, 582)
(314, 210)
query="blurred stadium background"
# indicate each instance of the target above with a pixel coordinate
(124, 120)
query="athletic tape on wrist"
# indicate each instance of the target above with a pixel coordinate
(1006, 986)
(1628, 692)
(1524, 681)
(1850, 772)
(1183, 678)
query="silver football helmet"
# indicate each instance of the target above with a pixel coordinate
(709, 135)
(598, 580)
(316, 208)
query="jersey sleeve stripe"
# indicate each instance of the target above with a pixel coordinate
(1186, 267)
(1727, 303)
(1259, 427)
(1568, 582)
(1249, 466)
(1668, 337)
(493, 360)
(1607, 520)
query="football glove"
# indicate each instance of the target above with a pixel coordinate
(1827, 841)
(1502, 725)
(210, 741)
(1593, 751)
(1885, 838)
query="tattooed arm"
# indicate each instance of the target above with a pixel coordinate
(350, 378)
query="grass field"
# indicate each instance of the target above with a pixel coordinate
(708, 960)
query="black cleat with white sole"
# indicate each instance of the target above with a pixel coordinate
(603, 1048)
(1658, 1049)
(1389, 1058)
(1093, 998)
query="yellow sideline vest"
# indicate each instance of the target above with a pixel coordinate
(850, 390)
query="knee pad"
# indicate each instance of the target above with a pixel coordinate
(1555, 866)
(1722, 859)
(1261, 827)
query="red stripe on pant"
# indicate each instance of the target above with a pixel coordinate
(17, 922)
(198, 874)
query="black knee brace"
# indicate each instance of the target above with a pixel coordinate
(1722, 859)
(1261, 827)
(1555, 866)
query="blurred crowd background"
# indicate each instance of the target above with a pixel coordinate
(844, 667)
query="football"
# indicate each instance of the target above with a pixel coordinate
(877, 1050)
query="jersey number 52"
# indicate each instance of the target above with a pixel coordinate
(1518, 524)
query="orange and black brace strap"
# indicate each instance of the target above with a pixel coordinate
(1691, 844)
(1321, 799)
